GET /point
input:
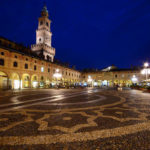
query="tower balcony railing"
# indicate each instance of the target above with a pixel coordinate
(41, 46)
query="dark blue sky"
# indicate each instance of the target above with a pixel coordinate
(86, 33)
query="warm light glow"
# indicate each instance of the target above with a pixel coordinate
(95, 84)
(57, 70)
(42, 69)
(145, 71)
(57, 74)
(134, 78)
(16, 84)
(89, 79)
(35, 84)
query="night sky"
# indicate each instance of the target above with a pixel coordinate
(86, 33)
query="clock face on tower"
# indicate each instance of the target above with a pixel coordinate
(40, 40)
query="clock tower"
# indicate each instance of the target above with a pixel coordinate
(43, 44)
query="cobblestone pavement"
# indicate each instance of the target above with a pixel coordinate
(75, 119)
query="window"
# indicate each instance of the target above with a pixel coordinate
(41, 23)
(15, 64)
(47, 24)
(42, 69)
(66, 73)
(48, 58)
(16, 56)
(26, 66)
(2, 53)
(48, 70)
(42, 78)
(34, 67)
(1, 62)
(26, 59)
(116, 76)
(69, 74)
(35, 61)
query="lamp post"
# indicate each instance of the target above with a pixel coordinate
(57, 75)
(146, 71)
(146, 66)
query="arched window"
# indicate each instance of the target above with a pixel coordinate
(47, 23)
(15, 64)
(34, 67)
(2, 53)
(41, 23)
(26, 78)
(26, 66)
(35, 78)
(1, 62)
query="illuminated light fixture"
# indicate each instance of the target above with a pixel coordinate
(57, 74)
(57, 70)
(109, 67)
(42, 69)
(89, 79)
(134, 79)
(16, 84)
(146, 71)
(95, 84)
(143, 71)
(35, 84)
(146, 64)
(85, 84)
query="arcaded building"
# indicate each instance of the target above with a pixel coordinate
(22, 67)
(112, 76)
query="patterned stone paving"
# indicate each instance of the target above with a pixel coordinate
(99, 119)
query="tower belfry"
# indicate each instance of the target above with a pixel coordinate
(44, 37)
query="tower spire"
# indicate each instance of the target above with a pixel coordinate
(44, 12)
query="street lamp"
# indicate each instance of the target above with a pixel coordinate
(146, 70)
(57, 75)
(146, 64)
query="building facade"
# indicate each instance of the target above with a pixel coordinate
(112, 77)
(22, 67)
